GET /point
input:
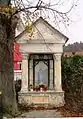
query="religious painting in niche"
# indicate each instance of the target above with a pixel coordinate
(41, 73)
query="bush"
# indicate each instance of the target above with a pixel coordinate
(72, 80)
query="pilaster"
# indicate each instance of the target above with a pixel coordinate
(57, 69)
(24, 72)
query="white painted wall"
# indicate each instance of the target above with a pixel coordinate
(17, 75)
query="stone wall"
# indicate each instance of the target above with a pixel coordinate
(50, 99)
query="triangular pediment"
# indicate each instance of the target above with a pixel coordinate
(42, 32)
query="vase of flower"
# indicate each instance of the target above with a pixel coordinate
(44, 89)
(31, 87)
(41, 89)
(36, 89)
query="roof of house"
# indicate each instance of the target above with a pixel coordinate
(40, 18)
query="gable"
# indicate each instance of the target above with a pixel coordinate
(42, 32)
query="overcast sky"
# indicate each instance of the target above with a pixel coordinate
(75, 32)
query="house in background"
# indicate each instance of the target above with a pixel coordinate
(17, 62)
(41, 51)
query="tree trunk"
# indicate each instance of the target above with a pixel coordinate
(7, 34)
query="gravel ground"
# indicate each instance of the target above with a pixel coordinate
(41, 114)
(38, 114)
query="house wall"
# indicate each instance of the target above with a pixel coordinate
(17, 62)
(16, 65)
(17, 75)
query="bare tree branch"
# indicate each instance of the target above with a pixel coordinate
(39, 8)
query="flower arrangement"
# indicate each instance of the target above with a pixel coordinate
(42, 87)
(36, 88)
